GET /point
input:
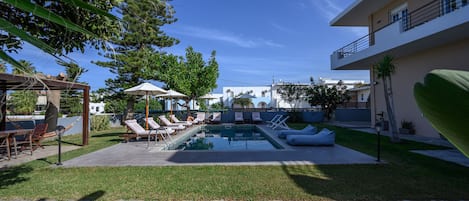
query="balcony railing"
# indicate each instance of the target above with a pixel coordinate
(415, 18)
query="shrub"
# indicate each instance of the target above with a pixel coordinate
(99, 123)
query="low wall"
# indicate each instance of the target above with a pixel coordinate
(66, 121)
(352, 115)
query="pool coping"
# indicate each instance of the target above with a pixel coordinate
(138, 154)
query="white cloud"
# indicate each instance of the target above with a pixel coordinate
(213, 34)
(329, 9)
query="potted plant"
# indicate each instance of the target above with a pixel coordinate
(407, 127)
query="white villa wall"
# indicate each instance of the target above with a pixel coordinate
(97, 108)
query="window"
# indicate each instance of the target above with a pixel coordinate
(449, 6)
(400, 13)
(362, 97)
(97, 109)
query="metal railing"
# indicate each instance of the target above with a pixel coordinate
(417, 17)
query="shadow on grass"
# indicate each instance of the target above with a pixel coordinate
(13, 175)
(109, 134)
(90, 197)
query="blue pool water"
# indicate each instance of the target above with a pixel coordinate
(229, 138)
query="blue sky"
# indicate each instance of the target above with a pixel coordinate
(257, 41)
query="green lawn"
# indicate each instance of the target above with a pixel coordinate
(406, 176)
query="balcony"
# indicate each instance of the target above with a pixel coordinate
(430, 26)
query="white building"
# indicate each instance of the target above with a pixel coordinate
(421, 35)
(97, 108)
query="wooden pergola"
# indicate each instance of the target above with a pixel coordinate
(21, 82)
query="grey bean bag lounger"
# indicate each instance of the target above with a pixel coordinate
(308, 130)
(324, 138)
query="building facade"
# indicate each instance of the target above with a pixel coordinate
(420, 35)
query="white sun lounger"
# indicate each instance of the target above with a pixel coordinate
(274, 120)
(281, 123)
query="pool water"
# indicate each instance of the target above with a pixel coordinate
(229, 138)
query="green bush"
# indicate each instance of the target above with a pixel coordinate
(99, 123)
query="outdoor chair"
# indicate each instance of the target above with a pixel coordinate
(216, 118)
(200, 117)
(274, 120)
(152, 123)
(308, 130)
(39, 135)
(177, 121)
(166, 122)
(256, 117)
(239, 117)
(24, 139)
(281, 123)
(324, 138)
(139, 131)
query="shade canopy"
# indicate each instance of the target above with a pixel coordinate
(145, 89)
(208, 96)
(246, 96)
(172, 94)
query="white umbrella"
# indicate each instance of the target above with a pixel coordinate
(145, 89)
(207, 97)
(246, 96)
(172, 94)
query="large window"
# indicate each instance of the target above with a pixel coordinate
(400, 13)
(449, 6)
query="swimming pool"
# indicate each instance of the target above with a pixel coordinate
(229, 137)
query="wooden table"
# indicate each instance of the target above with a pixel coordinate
(10, 134)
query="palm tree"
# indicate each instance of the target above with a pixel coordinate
(384, 69)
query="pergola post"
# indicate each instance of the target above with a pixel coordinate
(86, 114)
(3, 108)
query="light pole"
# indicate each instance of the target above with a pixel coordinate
(378, 132)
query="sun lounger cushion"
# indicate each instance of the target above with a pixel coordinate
(308, 130)
(324, 138)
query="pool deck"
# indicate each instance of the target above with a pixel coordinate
(142, 153)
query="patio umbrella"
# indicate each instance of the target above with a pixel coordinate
(145, 89)
(208, 97)
(246, 96)
(172, 94)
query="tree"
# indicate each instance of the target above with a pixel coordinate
(384, 69)
(24, 101)
(326, 97)
(55, 26)
(70, 100)
(190, 76)
(134, 59)
(291, 93)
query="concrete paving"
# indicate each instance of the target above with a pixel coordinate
(140, 154)
(25, 156)
(451, 155)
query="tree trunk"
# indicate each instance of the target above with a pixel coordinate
(188, 107)
(390, 111)
(129, 112)
(52, 110)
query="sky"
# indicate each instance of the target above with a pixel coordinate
(257, 41)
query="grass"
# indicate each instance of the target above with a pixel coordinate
(406, 176)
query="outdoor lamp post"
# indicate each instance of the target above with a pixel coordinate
(378, 132)
(60, 130)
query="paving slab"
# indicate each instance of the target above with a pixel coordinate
(25, 156)
(139, 154)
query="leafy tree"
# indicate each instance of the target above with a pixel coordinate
(55, 26)
(134, 59)
(326, 97)
(243, 102)
(24, 101)
(153, 105)
(116, 106)
(384, 69)
(292, 93)
(70, 101)
(190, 76)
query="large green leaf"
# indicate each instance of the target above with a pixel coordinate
(41, 12)
(444, 100)
(4, 56)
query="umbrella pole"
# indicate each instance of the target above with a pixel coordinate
(146, 111)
